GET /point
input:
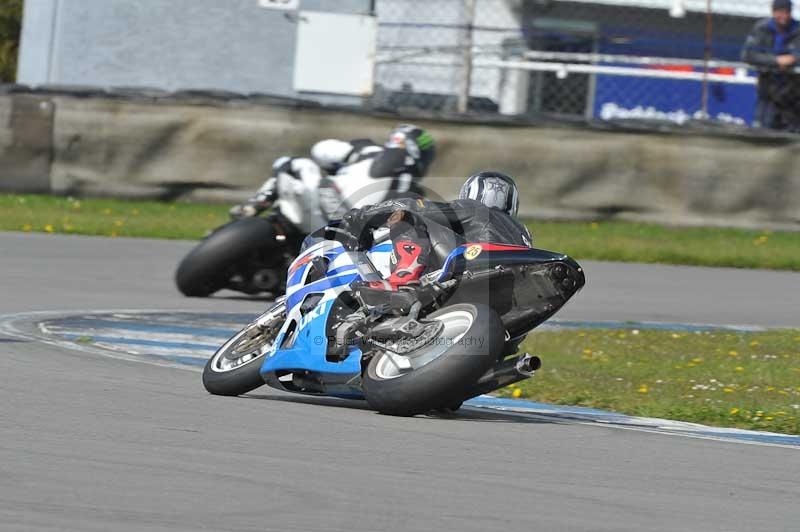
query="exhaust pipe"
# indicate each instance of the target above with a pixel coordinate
(507, 372)
(527, 364)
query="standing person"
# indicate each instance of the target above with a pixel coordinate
(773, 48)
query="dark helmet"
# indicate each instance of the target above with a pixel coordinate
(494, 189)
(417, 142)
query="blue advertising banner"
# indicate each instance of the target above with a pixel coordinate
(617, 97)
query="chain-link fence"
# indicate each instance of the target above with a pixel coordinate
(604, 59)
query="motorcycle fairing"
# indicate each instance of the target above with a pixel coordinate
(302, 342)
(525, 286)
(306, 356)
(479, 255)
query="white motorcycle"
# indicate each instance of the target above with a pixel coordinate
(251, 254)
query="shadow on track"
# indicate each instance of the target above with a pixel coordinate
(465, 414)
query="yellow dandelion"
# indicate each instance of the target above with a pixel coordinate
(27, 228)
(734, 411)
(691, 365)
(739, 369)
(517, 393)
(727, 390)
(759, 413)
(587, 351)
(770, 388)
(754, 343)
(733, 353)
(780, 413)
(643, 389)
(594, 225)
(769, 418)
(76, 205)
(49, 228)
(118, 223)
(697, 360)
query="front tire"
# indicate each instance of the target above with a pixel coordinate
(468, 346)
(235, 368)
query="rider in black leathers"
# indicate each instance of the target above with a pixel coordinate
(483, 213)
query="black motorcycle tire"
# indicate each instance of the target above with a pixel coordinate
(444, 381)
(244, 378)
(205, 269)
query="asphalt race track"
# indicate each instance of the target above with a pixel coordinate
(91, 443)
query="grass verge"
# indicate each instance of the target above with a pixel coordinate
(721, 378)
(615, 241)
(649, 243)
(106, 217)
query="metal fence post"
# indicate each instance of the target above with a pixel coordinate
(706, 59)
(466, 80)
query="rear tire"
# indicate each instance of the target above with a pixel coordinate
(444, 381)
(207, 267)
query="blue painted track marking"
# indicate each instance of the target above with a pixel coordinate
(224, 334)
(208, 349)
(592, 416)
(187, 339)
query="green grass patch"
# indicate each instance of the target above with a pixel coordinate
(649, 243)
(105, 217)
(615, 241)
(721, 378)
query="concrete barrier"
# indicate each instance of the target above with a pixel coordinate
(170, 148)
(26, 143)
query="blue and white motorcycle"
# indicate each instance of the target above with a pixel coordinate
(407, 352)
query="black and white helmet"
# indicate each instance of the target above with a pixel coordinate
(494, 189)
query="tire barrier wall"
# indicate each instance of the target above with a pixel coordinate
(223, 149)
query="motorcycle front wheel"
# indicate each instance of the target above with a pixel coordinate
(235, 368)
(439, 374)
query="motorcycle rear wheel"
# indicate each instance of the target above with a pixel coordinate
(207, 268)
(439, 374)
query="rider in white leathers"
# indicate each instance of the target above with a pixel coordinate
(343, 175)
